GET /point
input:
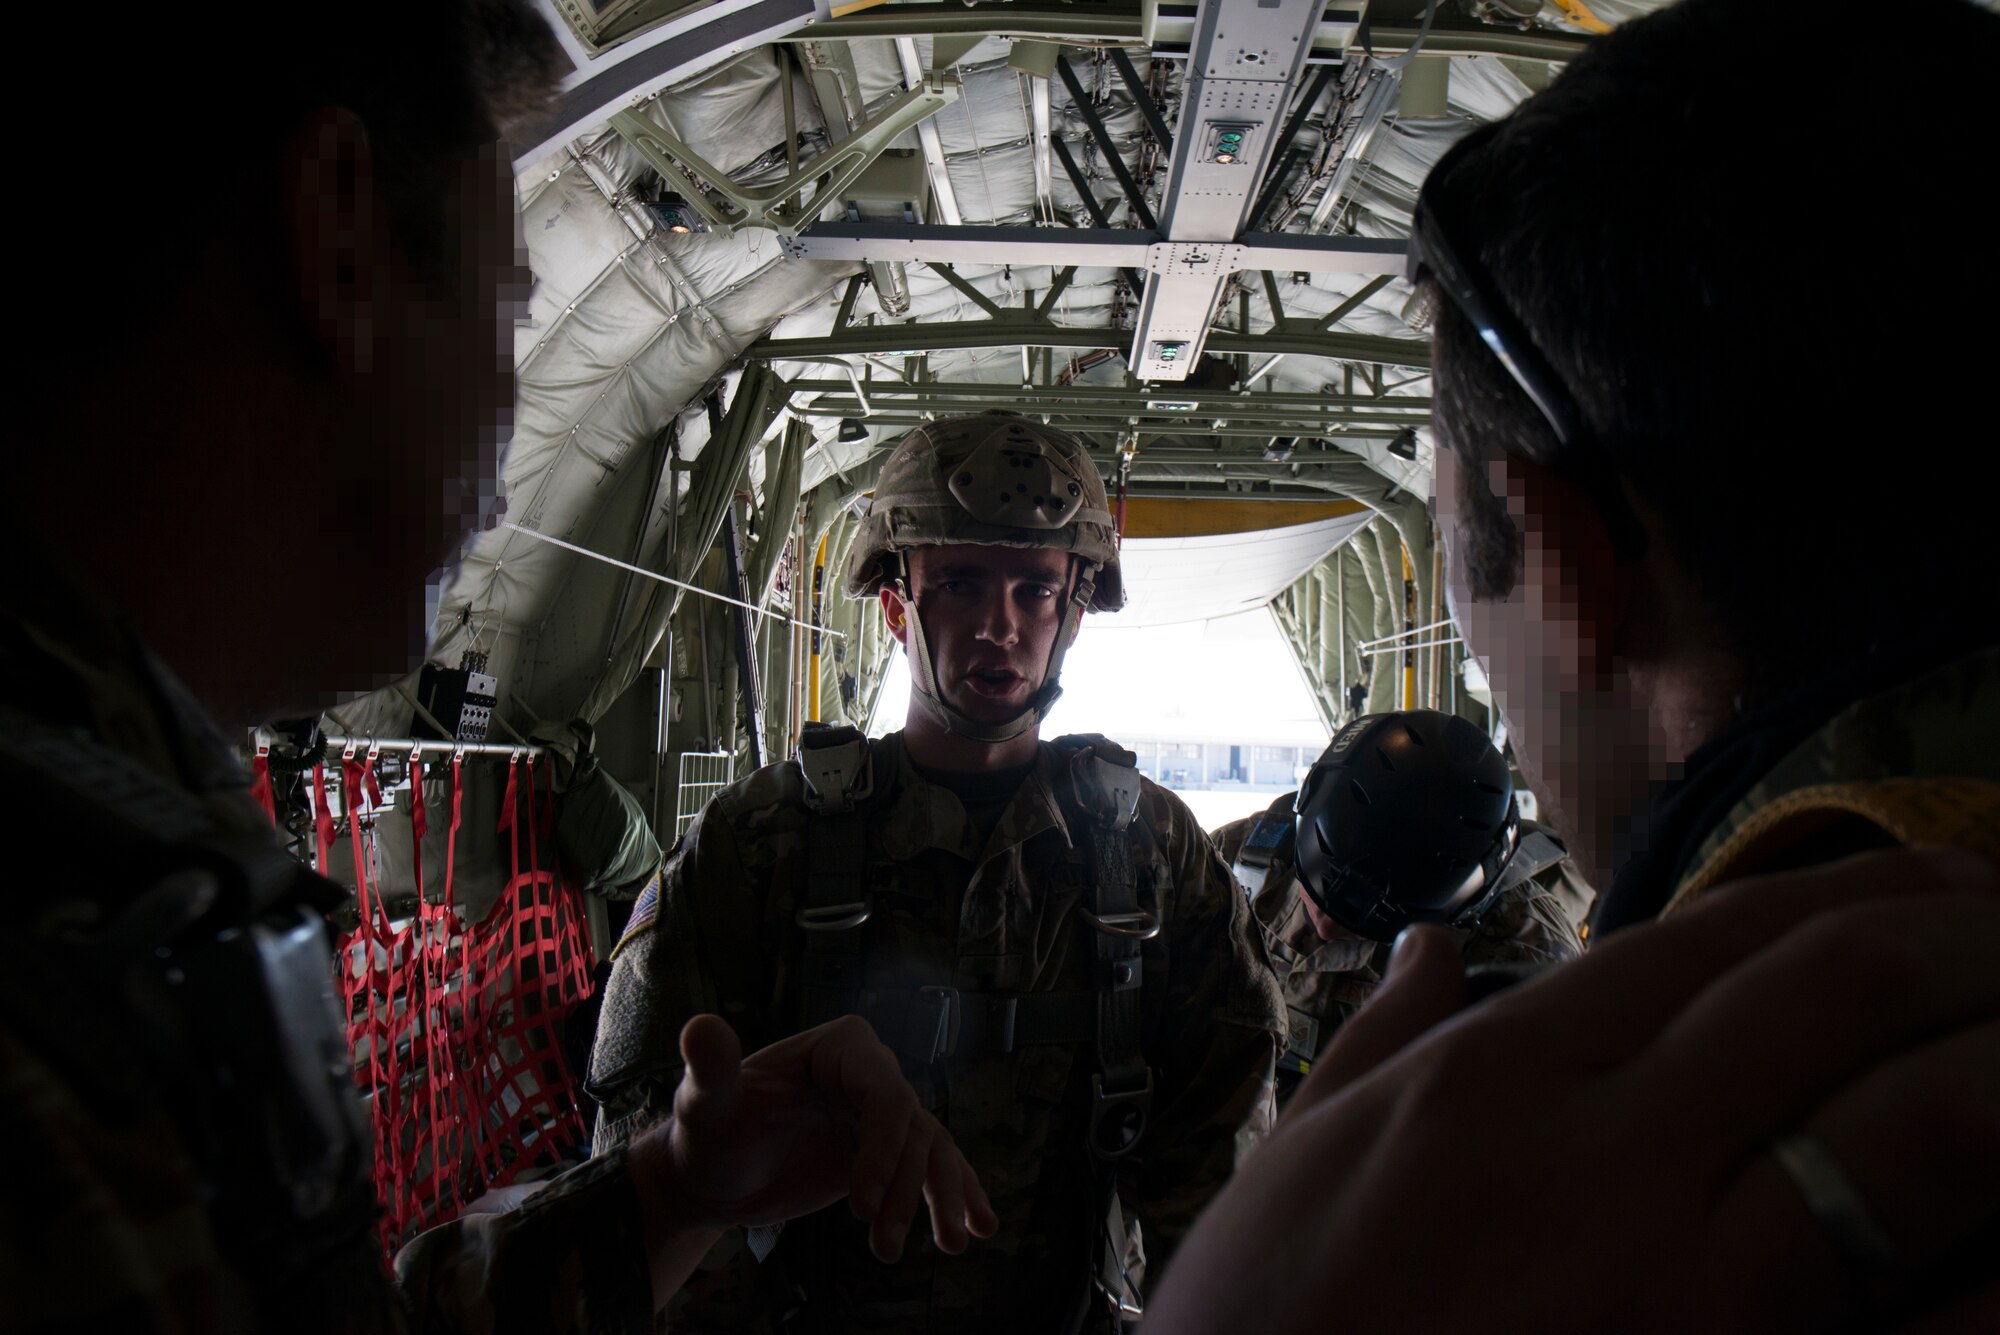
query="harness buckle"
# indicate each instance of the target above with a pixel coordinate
(1118, 1117)
(835, 917)
(1136, 926)
(837, 773)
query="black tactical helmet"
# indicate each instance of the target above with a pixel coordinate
(1406, 818)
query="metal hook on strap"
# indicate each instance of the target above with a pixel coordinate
(1136, 926)
(834, 917)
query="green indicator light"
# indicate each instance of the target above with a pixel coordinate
(1232, 138)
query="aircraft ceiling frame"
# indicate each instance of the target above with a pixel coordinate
(1020, 329)
(643, 64)
(1147, 257)
(784, 207)
(1322, 428)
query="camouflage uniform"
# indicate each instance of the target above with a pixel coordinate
(1909, 763)
(106, 1223)
(1326, 982)
(953, 913)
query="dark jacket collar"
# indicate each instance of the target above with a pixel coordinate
(1670, 830)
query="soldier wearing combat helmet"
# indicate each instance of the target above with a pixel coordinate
(1047, 940)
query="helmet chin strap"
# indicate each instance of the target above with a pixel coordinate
(923, 672)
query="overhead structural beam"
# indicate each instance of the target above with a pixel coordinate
(734, 205)
(1197, 402)
(1375, 103)
(1275, 181)
(947, 336)
(841, 403)
(1241, 72)
(1085, 416)
(1105, 144)
(1091, 206)
(680, 48)
(671, 53)
(1038, 117)
(1353, 303)
(927, 136)
(835, 84)
(1142, 99)
(971, 293)
(1168, 29)
(1167, 491)
(1252, 454)
(1098, 248)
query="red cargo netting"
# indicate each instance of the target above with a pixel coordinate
(454, 1028)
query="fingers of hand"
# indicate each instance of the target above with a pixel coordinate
(980, 1219)
(944, 1193)
(1822, 1005)
(899, 1202)
(1424, 987)
(1616, 999)
(854, 1067)
(714, 1060)
(1918, 1139)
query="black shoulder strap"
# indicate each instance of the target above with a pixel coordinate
(1268, 846)
(1122, 1089)
(1537, 851)
(839, 783)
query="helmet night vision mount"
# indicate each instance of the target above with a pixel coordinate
(1406, 818)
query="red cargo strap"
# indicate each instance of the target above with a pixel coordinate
(457, 812)
(510, 824)
(417, 822)
(260, 785)
(356, 782)
(322, 820)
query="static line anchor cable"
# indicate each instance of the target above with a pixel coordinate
(666, 579)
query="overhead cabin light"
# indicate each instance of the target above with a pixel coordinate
(1225, 142)
(677, 215)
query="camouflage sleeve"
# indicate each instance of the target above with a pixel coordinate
(570, 1261)
(101, 1225)
(665, 972)
(1228, 839)
(1221, 1026)
(1536, 922)
(105, 1229)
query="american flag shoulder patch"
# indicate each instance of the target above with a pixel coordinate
(645, 912)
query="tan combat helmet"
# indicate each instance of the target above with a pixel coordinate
(994, 480)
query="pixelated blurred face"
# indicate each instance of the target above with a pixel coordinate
(437, 407)
(1568, 721)
(991, 615)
